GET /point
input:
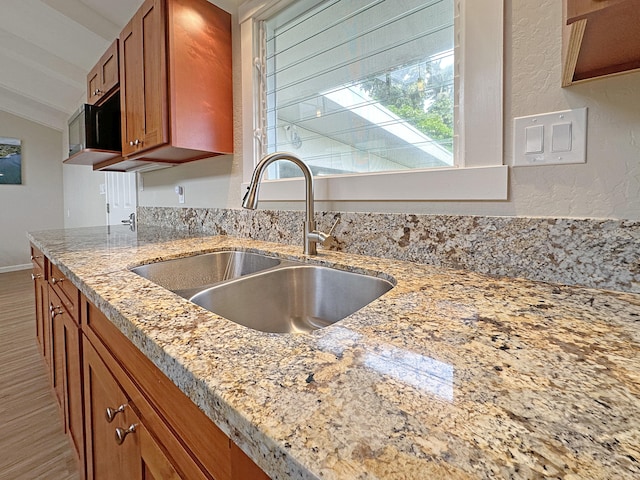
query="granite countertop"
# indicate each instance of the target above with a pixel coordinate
(450, 374)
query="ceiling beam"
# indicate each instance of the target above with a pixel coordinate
(35, 111)
(85, 16)
(36, 57)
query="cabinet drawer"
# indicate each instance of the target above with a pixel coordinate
(67, 291)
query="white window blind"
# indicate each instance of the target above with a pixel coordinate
(478, 172)
(359, 86)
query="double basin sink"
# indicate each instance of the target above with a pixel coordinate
(266, 293)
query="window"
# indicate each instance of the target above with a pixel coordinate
(363, 91)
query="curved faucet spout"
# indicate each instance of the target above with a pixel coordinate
(250, 200)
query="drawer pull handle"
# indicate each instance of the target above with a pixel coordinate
(37, 275)
(56, 280)
(111, 413)
(33, 257)
(122, 433)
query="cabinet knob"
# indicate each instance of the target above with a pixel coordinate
(97, 91)
(111, 413)
(53, 311)
(122, 433)
(37, 275)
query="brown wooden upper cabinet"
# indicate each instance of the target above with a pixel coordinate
(104, 77)
(175, 82)
(600, 38)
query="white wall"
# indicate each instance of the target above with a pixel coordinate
(205, 182)
(37, 203)
(84, 205)
(607, 186)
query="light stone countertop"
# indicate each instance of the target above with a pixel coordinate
(449, 375)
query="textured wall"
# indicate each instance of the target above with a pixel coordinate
(607, 186)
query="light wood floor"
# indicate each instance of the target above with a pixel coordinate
(32, 443)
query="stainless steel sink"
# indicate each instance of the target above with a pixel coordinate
(189, 275)
(289, 299)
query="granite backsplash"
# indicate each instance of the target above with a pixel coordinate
(588, 252)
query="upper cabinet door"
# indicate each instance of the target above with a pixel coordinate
(143, 90)
(175, 83)
(104, 77)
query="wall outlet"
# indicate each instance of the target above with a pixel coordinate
(551, 138)
(180, 192)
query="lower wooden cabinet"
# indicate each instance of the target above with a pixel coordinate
(171, 438)
(125, 419)
(66, 370)
(155, 464)
(42, 300)
(118, 444)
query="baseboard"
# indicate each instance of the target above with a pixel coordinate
(15, 268)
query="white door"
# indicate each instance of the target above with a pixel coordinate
(121, 196)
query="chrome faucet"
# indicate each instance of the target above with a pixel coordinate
(250, 200)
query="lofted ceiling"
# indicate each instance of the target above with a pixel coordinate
(47, 47)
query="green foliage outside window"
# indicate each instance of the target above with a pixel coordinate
(424, 102)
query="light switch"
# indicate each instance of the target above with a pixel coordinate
(561, 137)
(534, 139)
(555, 138)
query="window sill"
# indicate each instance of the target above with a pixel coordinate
(472, 183)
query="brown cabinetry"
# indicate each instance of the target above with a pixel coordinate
(175, 89)
(600, 38)
(66, 356)
(104, 77)
(41, 296)
(118, 444)
(144, 83)
(172, 68)
(123, 416)
(176, 440)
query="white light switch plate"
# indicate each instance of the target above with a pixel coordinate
(564, 137)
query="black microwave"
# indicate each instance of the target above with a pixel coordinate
(96, 127)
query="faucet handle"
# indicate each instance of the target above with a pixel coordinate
(333, 227)
(327, 239)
